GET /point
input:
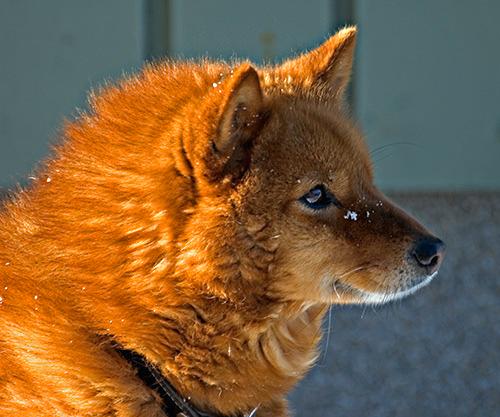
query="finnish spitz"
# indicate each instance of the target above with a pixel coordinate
(178, 251)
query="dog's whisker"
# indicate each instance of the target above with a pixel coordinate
(335, 289)
(328, 331)
(389, 145)
(357, 269)
(364, 310)
(253, 412)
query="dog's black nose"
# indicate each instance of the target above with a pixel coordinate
(429, 253)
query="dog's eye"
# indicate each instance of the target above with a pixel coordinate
(318, 198)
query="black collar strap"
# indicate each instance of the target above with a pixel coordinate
(174, 404)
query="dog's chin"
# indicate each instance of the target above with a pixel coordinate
(348, 294)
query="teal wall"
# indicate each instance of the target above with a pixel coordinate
(53, 52)
(426, 83)
(258, 29)
(428, 74)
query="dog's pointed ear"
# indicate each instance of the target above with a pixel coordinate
(328, 67)
(241, 117)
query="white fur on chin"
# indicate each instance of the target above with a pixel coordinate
(381, 298)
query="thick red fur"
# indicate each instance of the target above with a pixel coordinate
(169, 220)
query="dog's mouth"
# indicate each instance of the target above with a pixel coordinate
(349, 293)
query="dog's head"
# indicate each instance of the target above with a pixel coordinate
(295, 171)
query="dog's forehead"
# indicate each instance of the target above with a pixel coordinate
(306, 139)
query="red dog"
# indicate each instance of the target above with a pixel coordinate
(186, 238)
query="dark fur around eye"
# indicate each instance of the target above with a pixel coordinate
(319, 198)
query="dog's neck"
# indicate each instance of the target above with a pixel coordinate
(257, 363)
(227, 362)
(222, 339)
